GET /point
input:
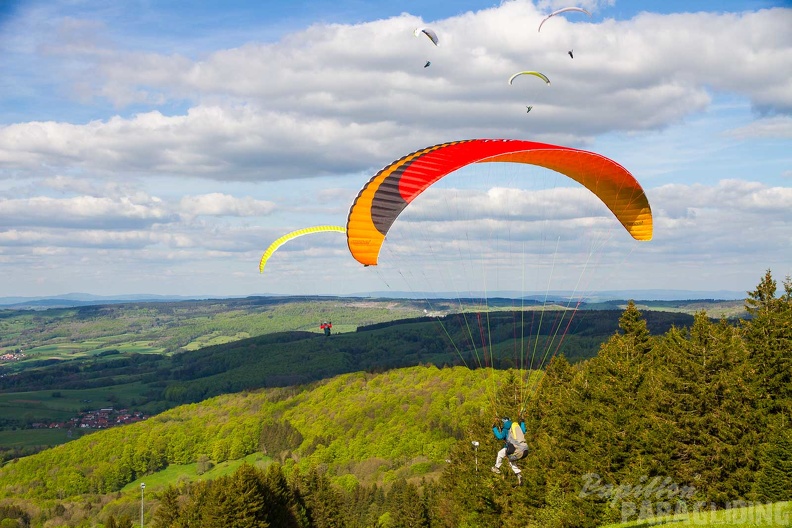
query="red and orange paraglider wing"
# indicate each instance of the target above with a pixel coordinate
(386, 195)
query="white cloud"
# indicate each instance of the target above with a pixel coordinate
(49, 239)
(728, 196)
(137, 191)
(769, 127)
(340, 98)
(218, 204)
(81, 211)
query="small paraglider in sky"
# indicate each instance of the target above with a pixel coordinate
(570, 54)
(564, 10)
(431, 35)
(534, 73)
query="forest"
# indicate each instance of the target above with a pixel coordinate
(54, 390)
(697, 416)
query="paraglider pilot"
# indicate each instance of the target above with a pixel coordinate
(326, 326)
(514, 447)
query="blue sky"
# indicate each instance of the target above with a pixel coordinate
(160, 146)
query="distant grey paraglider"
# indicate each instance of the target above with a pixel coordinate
(430, 34)
(570, 54)
(564, 10)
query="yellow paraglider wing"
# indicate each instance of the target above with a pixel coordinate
(294, 234)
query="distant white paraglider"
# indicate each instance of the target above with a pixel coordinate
(430, 34)
(564, 10)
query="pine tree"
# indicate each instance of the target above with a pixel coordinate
(705, 395)
(169, 510)
(762, 299)
(284, 508)
(361, 507)
(768, 335)
(633, 324)
(251, 498)
(774, 479)
(406, 506)
(322, 501)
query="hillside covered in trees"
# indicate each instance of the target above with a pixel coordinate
(698, 415)
(52, 390)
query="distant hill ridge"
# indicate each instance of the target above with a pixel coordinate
(85, 299)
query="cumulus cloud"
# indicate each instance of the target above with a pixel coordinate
(82, 211)
(333, 99)
(218, 204)
(129, 183)
(731, 218)
(770, 127)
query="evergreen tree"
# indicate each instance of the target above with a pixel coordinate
(598, 425)
(768, 335)
(633, 325)
(251, 497)
(762, 299)
(705, 396)
(323, 503)
(406, 506)
(361, 505)
(465, 496)
(169, 510)
(236, 501)
(200, 502)
(774, 479)
(284, 508)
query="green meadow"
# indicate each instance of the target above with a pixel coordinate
(60, 405)
(21, 438)
(181, 473)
